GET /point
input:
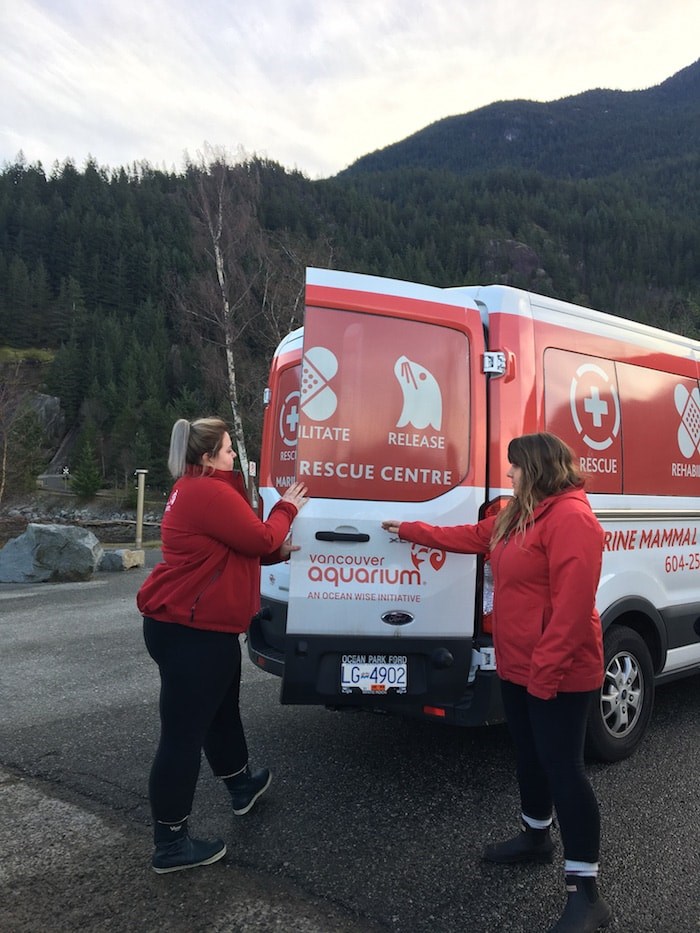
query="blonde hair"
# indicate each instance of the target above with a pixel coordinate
(547, 466)
(189, 441)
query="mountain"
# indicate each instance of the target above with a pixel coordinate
(588, 135)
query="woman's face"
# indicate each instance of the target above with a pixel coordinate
(515, 475)
(225, 457)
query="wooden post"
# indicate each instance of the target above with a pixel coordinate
(140, 492)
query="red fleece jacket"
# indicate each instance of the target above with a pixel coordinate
(546, 629)
(213, 543)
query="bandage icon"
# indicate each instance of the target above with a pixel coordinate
(318, 400)
(688, 407)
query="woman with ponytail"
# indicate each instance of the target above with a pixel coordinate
(546, 551)
(195, 604)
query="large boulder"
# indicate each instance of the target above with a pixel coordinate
(50, 554)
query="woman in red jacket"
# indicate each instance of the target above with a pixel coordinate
(546, 550)
(195, 604)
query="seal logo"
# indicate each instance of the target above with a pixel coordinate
(422, 399)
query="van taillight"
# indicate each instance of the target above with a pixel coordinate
(434, 711)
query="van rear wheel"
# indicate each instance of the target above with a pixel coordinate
(619, 719)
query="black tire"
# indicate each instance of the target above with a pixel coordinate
(619, 719)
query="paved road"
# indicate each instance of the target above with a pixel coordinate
(372, 824)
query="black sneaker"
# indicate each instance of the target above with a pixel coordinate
(585, 910)
(530, 845)
(245, 788)
(184, 853)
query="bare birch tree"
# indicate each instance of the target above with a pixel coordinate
(249, 290)
(224, 201)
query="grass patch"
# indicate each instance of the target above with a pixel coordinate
(26, 355)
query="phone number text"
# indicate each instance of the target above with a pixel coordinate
(675, 563)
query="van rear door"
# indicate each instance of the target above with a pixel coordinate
(392, 425)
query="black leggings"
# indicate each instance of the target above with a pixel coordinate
(549, 738)
(200, 675)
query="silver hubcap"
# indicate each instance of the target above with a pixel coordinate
(622, 694)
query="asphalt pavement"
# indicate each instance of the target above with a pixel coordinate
(372, 824)
(69, 863)
(66, 868)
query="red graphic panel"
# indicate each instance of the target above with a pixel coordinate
(384, 407)
(662, 432)
(285, 425)
(582, 406)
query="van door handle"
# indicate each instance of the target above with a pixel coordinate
(341, 536)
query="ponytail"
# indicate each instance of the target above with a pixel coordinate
(179, 440)
(189, 441)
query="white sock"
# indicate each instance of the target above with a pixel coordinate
(536, 824)
(581, 869)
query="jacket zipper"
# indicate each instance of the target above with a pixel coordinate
(214, 578)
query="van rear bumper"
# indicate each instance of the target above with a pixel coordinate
(266, 636)
(438, 671)
(310, 668)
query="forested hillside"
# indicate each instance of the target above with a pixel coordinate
(589, 135)
(137, 281)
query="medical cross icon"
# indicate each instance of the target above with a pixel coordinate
(595, 417)
(289, 419)
(595, 406)
(292, 419)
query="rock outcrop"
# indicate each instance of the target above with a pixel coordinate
(50, 554)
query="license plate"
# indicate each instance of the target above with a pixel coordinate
(379, 679)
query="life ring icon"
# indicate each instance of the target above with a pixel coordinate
(318, 400)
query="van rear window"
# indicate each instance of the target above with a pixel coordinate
(384, 409)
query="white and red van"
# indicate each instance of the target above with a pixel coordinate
(398, 400)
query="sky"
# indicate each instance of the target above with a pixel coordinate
(310, 84)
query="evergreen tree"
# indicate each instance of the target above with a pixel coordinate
(109, 269)
(86, 478)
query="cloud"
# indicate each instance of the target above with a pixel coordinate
(310, 84)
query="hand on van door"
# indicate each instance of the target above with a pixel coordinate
(392, 526)
(297, 494)
(287, 547)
